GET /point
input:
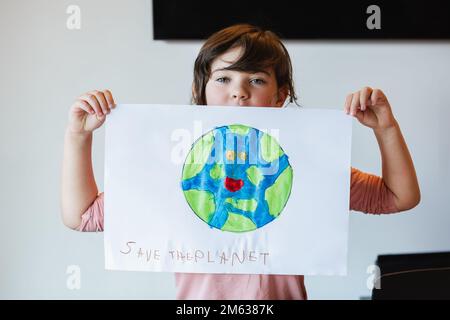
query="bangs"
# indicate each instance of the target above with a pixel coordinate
(257, 55)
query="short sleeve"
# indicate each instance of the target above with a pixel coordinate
(92, 220)
(369, 194)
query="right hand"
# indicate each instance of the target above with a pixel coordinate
(89, 111)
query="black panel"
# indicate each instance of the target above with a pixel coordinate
(414, 276)
(315, 19)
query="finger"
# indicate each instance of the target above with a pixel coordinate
(365, 97)
(85, 106)
(355, 104)
(92, 100)
(101, 100)
(109, 98)
(348, 101)
(377, 94)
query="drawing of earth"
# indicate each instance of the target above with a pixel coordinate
(237, 178)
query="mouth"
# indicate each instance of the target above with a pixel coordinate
(233, 185)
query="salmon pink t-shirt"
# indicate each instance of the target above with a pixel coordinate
(368, 194)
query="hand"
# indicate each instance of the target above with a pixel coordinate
(89, 111)
(371, 108)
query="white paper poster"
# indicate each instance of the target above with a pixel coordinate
(227, 189)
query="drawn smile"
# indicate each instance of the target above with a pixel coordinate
(233, 185)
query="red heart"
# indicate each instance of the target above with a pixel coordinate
(233, 184)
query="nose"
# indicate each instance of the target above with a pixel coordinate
(239, 93)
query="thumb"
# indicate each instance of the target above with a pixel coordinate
(359, 115)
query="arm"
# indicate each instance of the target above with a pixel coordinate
(79, 189)
(397, 168)
(372, 109)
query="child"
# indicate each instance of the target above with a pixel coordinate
(242, 65)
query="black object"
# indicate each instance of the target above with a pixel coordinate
(318, 19)
(413, 276)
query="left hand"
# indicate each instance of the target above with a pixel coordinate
(371, 108)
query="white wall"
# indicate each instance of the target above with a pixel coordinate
(44, 67)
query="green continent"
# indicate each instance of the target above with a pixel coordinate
(238, 223)
(254, 175)
(198, 156)
(270, 149)
(243, 204)
(217, 171)
(278, 194)
(202, 202)
(239, 129)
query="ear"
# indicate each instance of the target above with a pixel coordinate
(283, 93)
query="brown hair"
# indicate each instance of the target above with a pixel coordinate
(261, 50)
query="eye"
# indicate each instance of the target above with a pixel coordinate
(223, 79)
(258, 81)
(242, 155)
(230, 155)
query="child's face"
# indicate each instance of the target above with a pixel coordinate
(236, 88)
